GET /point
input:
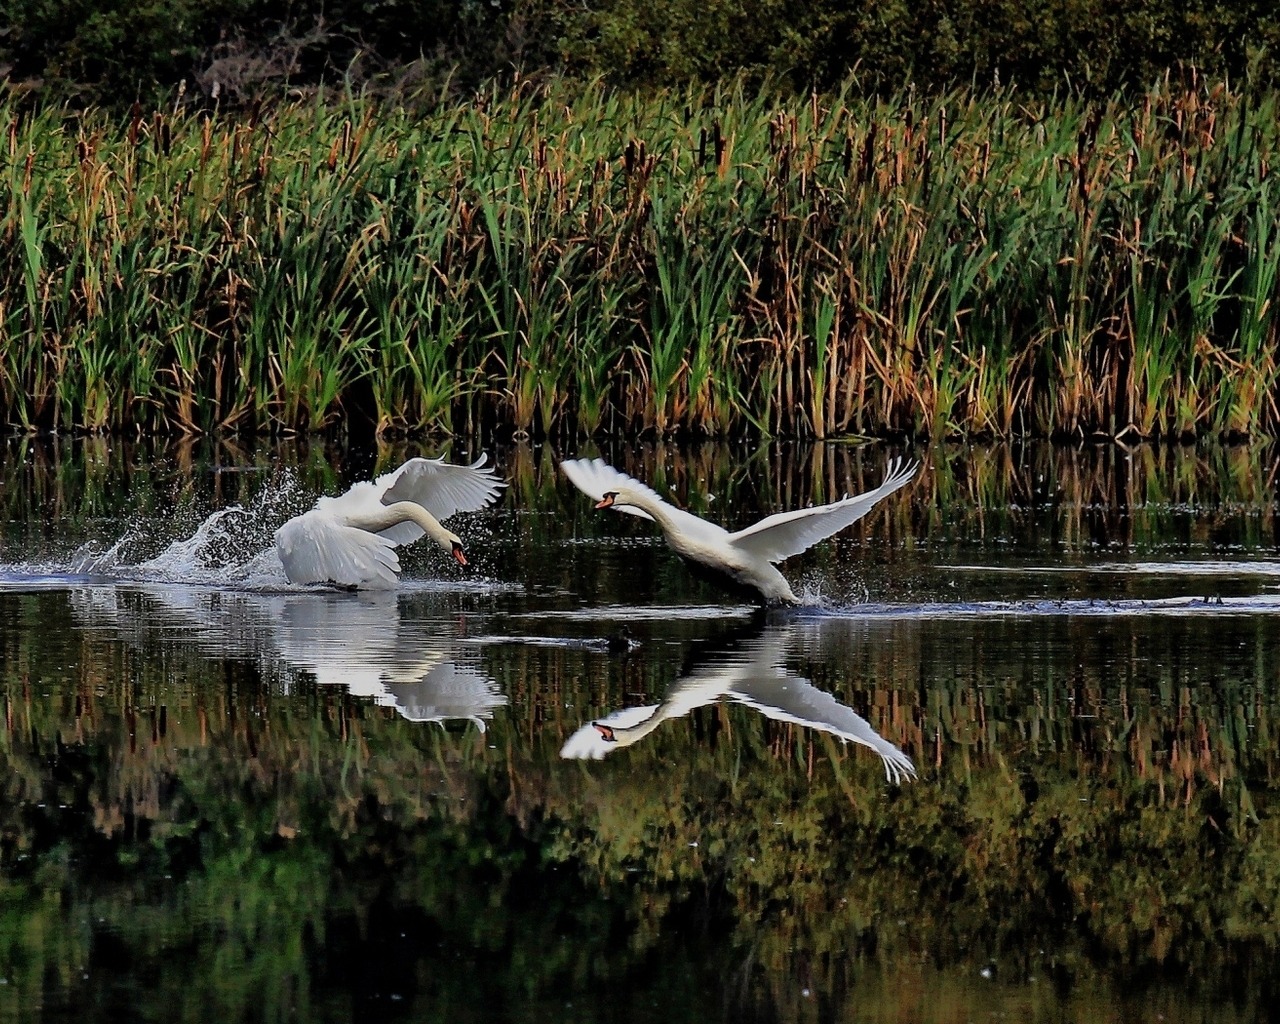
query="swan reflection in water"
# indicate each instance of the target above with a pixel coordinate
(361, 642)
(753, 673)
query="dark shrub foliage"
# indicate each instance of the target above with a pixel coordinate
(116, 51)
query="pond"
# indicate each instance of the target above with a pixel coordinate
(1016, 758)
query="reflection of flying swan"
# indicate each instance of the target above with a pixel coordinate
(356, 641)
(350, 540)
(755, 675)
(745, 557)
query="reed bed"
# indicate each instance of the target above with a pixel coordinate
(568, 262)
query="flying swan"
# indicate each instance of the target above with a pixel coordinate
(746, 558)
(350, 540)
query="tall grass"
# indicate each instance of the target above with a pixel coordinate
(715, 262)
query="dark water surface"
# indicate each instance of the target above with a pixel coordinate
(1019, 760)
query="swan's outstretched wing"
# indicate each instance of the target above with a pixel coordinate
(442, 488)
(791, 698)
(757, 675)
(316, 548)
(595, 477)
(788, 533)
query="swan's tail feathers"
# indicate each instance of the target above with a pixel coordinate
(595, 478)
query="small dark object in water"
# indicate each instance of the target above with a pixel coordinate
(622, 642)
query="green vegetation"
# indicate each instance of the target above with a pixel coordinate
(562, 262)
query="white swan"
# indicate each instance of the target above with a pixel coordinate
(350, 540)
(745, 557)
(754, 674)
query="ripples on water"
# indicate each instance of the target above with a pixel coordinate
(1015, 759)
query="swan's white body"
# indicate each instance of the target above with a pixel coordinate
(747, 556)
(755, 675)
(350, 540)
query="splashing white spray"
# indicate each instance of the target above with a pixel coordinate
(828, 593)
(233, 547)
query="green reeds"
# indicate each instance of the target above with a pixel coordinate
(712, 262)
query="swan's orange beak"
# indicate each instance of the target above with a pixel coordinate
(605, 731)
(606, 502)
(458, 556)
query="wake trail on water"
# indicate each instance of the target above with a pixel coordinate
(849, 597)
(1267, 604)
(1196, 567)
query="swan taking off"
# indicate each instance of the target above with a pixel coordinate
(350, 540)
(746, 558)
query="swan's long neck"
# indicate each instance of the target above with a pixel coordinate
(660, 510)
(633, 733)
(679, 701)
(406, 512)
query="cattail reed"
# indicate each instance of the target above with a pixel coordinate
(708, 263)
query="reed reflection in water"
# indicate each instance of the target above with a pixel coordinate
(57, 493)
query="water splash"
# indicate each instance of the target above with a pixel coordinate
(833, 592)
(232, 547)
(221, 551)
